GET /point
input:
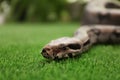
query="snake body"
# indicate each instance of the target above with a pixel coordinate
(97, 28)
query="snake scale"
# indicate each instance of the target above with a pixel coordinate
(100, 24)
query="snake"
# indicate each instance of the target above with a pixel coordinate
(100, 24)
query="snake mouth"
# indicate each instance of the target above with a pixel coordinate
(46, 53)
(61, 52)
(51, 53)
(62, 48)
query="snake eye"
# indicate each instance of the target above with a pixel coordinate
(74, 46)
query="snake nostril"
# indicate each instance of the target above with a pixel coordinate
(74, 46)
(43, 51)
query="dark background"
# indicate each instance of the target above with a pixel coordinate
(43, 10)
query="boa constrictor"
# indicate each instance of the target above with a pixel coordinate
(101, 25)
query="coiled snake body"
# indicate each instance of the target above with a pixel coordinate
(99, 26)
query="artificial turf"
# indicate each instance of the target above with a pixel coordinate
(20, 59)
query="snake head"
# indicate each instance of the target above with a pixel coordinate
(62, 48)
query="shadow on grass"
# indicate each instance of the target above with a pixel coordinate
(47, 61)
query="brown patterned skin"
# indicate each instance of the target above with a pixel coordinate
(102, 12)
(99, 26)
(83, 39)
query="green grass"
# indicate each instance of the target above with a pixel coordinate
(20, 59)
